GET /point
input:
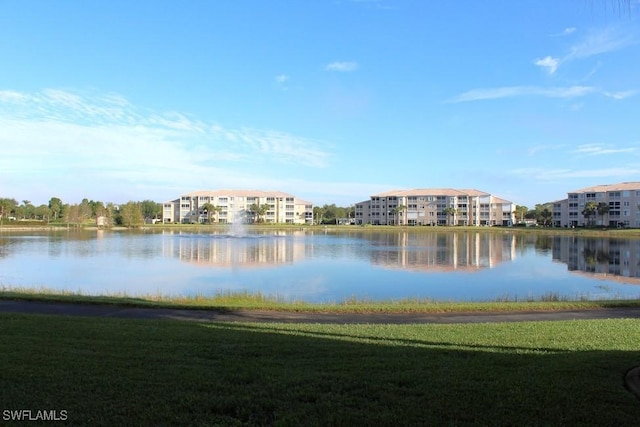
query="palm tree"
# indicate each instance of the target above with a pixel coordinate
(210, 209)
(603, 209)
(259, 211)
(450, 212)
(396, 212)
(590, 210)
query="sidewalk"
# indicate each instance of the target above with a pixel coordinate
(244, 315)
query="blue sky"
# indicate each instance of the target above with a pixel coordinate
(330, 100)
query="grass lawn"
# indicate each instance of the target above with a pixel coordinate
(105, 371)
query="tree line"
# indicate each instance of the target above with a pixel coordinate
(130, 214)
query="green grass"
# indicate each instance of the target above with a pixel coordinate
(105, 371)
(258, 301)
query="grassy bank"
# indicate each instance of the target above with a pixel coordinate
(17, 226)
(142, 372)
(257, 301)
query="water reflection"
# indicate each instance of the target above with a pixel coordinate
(234, 251)
(615, 259)
(435, 251)
(324, 265)
(444, 251)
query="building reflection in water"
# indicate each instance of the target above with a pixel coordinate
(445, 251)
(615, 259)
(233, 251)
(431, 251)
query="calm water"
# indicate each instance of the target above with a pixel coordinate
(323, 266)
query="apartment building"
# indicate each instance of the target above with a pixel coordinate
(435, 206)
(619, 206)
(234, 206)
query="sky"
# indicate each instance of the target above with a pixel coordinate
(330, 100)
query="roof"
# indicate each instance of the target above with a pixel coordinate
(237, 193)
(635, 185)
(433, 192)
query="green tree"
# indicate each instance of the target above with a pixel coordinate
(7, 207)
(259, 211)
(450, 212)
(542, 213)
(520, 212)
(318, 214)
(43, 212)
(396, 212)
(331, 213)
(26, 210)
(590, 210)
(55, 204)
(603, 209)
(72, 215)
(151, 209)
(131, 214)
(210, 209)
(545, 216)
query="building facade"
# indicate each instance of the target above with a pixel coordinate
(612, 205)
(435, 206)
(234, 206)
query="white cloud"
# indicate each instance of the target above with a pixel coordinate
(621, 95)
(282, 78)
(342, 66)
(597, 42)
(515, 91)
(551, 64)
(599, 149)
(600, 42)
(57, 140)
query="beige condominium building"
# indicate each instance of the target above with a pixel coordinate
(435, 206)
(615, 205)
(234, 206)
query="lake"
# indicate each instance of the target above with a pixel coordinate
(323, 266)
